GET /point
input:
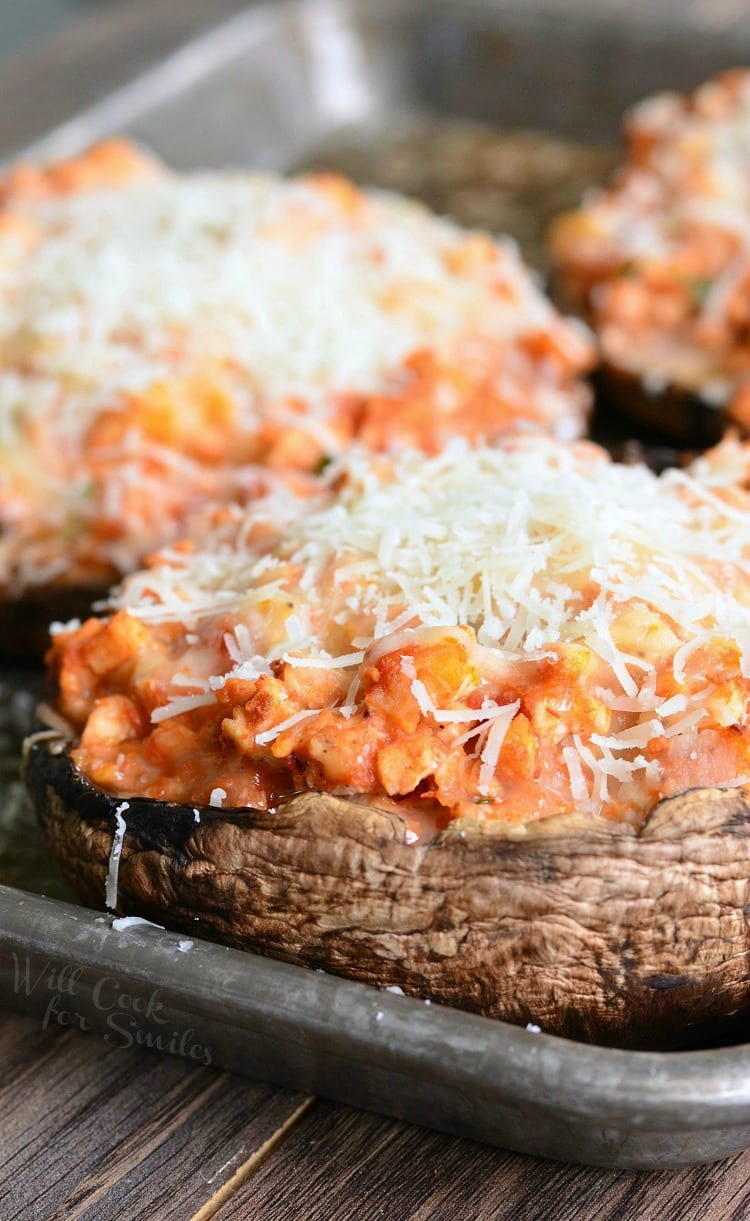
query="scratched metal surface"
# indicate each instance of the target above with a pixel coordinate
(24, 859)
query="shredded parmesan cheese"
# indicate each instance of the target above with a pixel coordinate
(491, 750)
(270, 736)
(160, 333)
(122, 923)
(599, 613)
(182, 703)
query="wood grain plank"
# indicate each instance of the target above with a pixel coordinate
(93, 1131)
(256, 1159)
(339, 1163)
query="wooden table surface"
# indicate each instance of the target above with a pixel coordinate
(100, 1133)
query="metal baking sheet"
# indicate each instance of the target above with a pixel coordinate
(347, 1041)
(426, 96)
(435, 97)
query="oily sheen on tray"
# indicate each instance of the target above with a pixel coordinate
(474, 725)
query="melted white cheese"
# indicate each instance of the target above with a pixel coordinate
(530, 545)
(275, 290)
(113, 871)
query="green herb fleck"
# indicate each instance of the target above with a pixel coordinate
(698, 288)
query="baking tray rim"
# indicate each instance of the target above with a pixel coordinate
(192, 58)
(663, 1087)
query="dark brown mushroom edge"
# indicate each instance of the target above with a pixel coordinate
(678, 414)
(24, 621)
(586, 928)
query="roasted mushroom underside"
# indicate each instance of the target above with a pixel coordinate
(587, 928)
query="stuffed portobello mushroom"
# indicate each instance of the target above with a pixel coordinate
(659, 263)
(476, 725)
(165, 335)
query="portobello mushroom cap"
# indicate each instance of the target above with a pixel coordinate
(678, 413)
(589, 928)
(24, 621)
